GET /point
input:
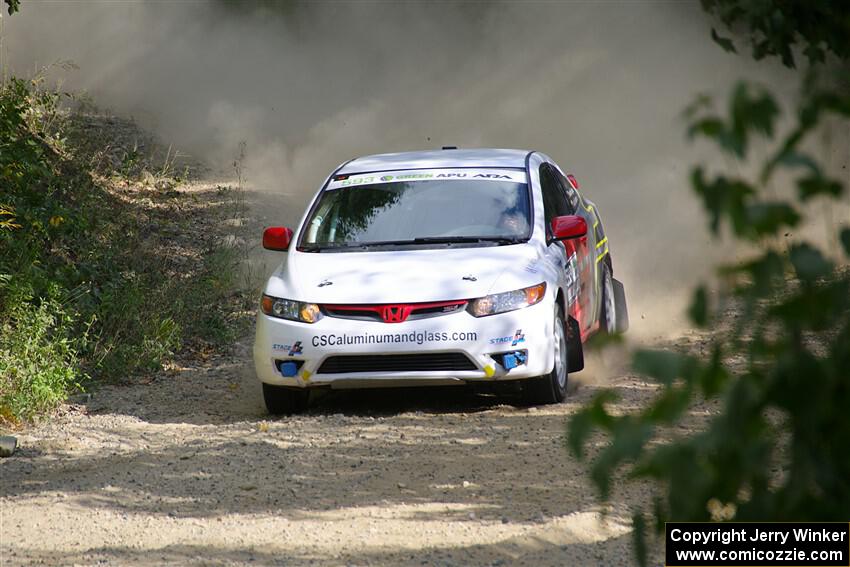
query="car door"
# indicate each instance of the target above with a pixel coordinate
(591, 288)
(598, 251)
(571, 255)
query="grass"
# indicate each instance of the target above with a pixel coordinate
(106, 271)
(37, 360)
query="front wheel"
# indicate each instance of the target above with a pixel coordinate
(551, 388)
(281, 400)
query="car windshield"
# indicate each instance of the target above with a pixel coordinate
(419, 208)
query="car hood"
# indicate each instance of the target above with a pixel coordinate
(405, 276)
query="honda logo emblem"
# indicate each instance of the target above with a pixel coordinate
(395, 313)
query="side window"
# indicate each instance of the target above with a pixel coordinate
(554, 200)
(570, 192)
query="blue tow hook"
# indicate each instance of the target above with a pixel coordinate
(288, 368)
(514, 359)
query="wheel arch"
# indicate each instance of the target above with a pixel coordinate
(575, 349)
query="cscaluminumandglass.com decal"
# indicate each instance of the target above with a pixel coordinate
(417, 337)
(763, 544)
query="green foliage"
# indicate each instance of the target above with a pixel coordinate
(37, 356)
(13, 6)
(777, 27)
(82, 290)
(779, 370)
(727, 44)
(752, 111)
(7, 223)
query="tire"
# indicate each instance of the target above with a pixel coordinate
(551, 388)
(281, 400)
(608, 309)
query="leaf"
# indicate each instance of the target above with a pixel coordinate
(769, 218)
(791, 158)
(723, 197)
(700, 102)
(793, 376)
(723, 42)
(663, 365)
(815, 307)
(630, 434)
(660, 513)
(761, 49)
(602, 340)
(815, 54)
(750, 112)
(787, 56)
(582, 423)
(714, 374)
(698, 311)
(809, 263)
(834, 102)
(711, 127)
(639, 541)
(669, 405)
(579, 429)
(766, 272)
(814, 185)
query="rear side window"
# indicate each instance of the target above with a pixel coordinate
(554, 200)
(570, 192)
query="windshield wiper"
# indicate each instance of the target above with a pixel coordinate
(353, 245)
(414, 241)
(462, 239)
(323, 247)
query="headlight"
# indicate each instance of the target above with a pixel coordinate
(292, 310)
(508, 301)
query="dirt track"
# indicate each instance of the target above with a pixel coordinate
(188, 469)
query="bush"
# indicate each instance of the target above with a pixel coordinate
(37, 359)
(84, 290)
(779, 370)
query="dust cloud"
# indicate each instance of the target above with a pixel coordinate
(598, 86)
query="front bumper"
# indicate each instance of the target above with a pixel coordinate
(308, 346)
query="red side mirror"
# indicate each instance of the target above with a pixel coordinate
(570, 226)
(277, 238)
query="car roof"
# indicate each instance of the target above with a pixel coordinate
(482, 157)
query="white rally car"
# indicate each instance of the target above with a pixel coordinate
(437, 267)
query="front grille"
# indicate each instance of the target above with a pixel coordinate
(397, 363)
(351, 314)
(413, 311)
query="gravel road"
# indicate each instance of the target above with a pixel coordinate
(187, 469)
